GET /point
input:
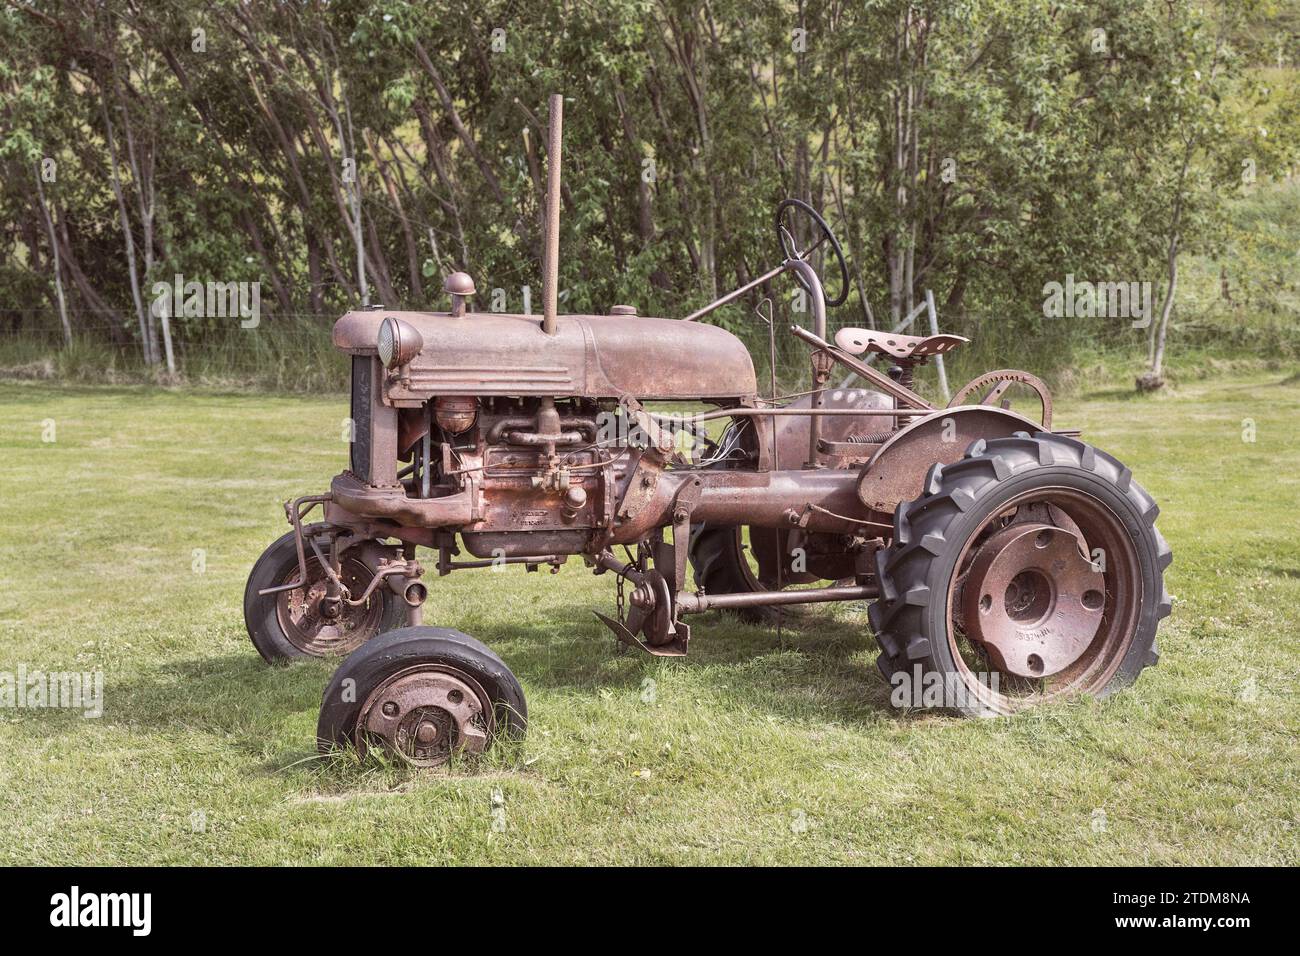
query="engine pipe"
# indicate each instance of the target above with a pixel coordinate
(551, 247)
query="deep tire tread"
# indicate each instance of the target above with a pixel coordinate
(903, 569)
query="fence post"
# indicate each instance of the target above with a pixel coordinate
(938, 359)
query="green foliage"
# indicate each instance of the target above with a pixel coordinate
(978, 149)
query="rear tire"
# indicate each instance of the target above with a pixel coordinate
(721, 567)
(936, 541)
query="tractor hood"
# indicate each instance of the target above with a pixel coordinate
(591, 356)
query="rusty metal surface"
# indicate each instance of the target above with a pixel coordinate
(758, 499)
(597, 356)
(792, 431)
(883, 342)
(1094, 529)
(699, 603)
(735, 294)
(991, 386)
(1032, 599)
(425, 714)
(551, 239)
(501, 418)
(905, 395)
(675, 647)
(896, 472)
(455, 413)
(353, 495)
(322, 625)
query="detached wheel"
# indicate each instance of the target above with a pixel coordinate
(300, 623)
(421, 694)
(1031, 570)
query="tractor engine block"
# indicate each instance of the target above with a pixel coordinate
(544, 473)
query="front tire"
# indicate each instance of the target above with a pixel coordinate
(1035, 561)
(289, 626)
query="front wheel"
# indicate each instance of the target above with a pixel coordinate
(1030, 570)
(301, 623)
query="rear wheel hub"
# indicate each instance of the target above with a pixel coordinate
(1032, 599)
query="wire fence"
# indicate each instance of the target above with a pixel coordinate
(293, 351)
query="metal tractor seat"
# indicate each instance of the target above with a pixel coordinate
(914, 348)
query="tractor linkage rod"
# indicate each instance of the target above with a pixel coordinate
(763, 412)
(535, 560)
(735, 294)
(699, 603)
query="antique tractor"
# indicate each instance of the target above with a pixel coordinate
(1008, 559)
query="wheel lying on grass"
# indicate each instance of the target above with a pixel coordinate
(296, 624)
(421, 694)
(1034, 559)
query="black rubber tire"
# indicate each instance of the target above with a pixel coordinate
(720, 567)
(930, 531)
(261, 619)
(377, 660)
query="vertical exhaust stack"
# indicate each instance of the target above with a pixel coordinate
(551, 243)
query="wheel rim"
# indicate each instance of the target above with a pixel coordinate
(1045, 595)
(313, 626)
(424, 714)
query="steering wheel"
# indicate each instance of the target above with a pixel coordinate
(790, 251)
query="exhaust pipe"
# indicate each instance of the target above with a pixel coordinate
(551, 241)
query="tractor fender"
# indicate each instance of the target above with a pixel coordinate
(896, 472)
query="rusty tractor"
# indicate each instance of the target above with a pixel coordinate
(1002, 556)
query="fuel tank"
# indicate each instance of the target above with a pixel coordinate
(590, 356)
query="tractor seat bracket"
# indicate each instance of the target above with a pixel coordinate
(917, 347)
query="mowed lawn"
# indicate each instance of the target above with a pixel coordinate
(129, 536)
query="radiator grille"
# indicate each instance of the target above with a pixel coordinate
(362, 383)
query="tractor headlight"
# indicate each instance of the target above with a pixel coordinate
(398, 342)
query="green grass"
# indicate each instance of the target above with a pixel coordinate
(747, 751)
